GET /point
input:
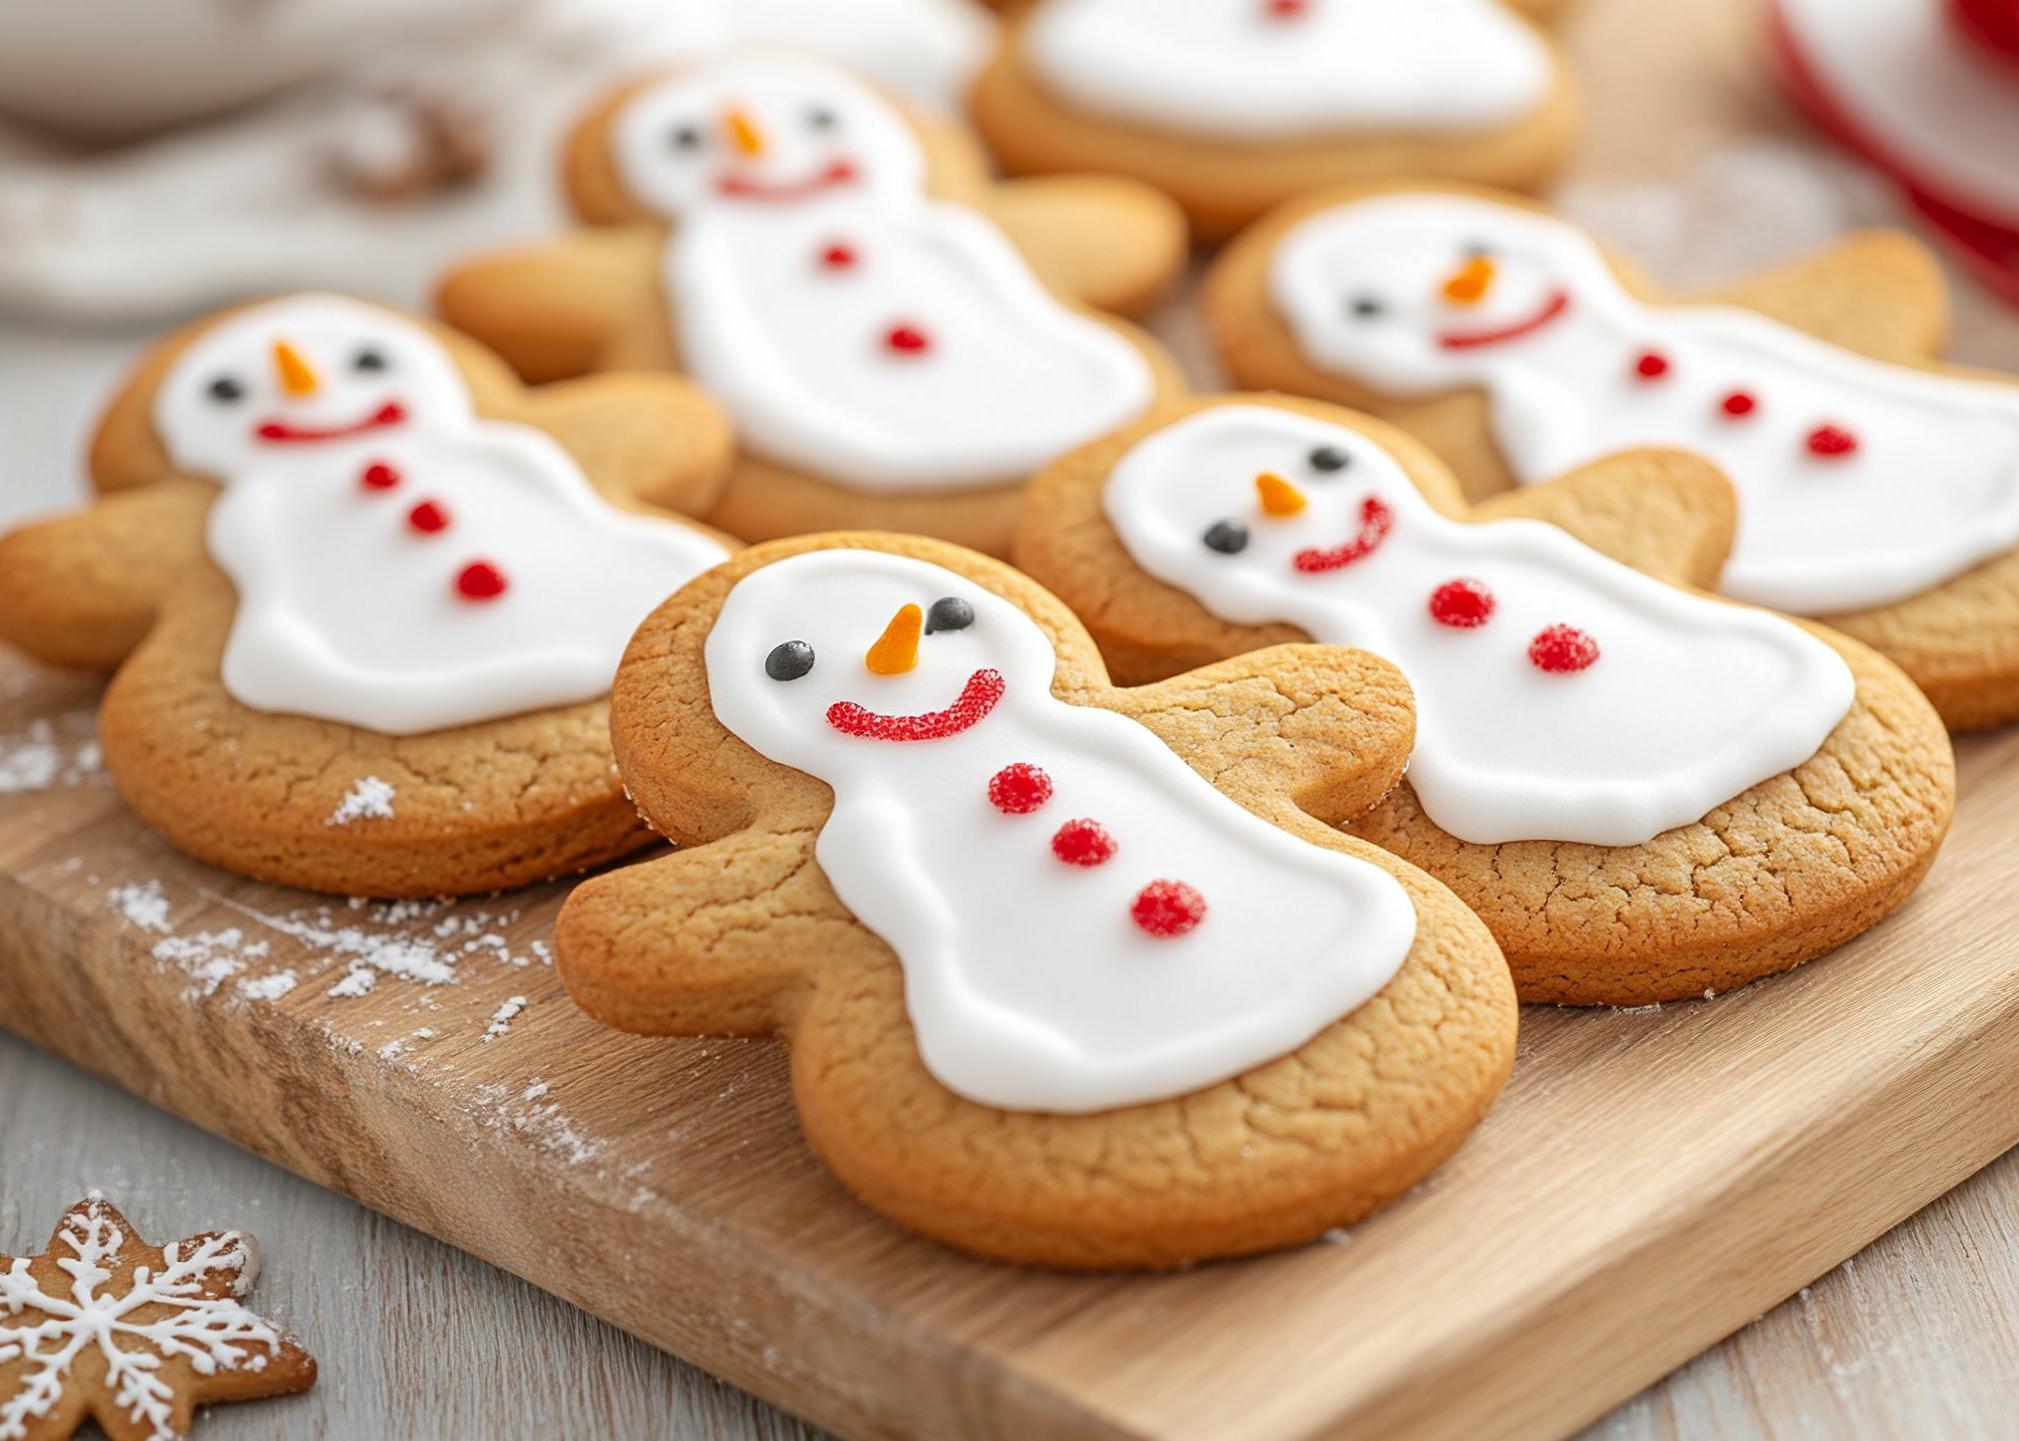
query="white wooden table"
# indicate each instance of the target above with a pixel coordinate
(1918, 1336)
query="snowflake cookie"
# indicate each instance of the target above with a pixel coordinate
(103, 1325)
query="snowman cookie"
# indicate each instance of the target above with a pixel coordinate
(1878, 489)
(1645, 792)
(365, 596)
(1234, 106)
(874, 315)
(1072, 975)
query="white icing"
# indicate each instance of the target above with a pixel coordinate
(1910, 81)
(1028, 984)
(347, 612)
(91, 1326)
(1931, 490)
(797, 349)
(1690, 702)
(798, 355)
(1235, 69)
(784, 99)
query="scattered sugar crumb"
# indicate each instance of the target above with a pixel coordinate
(1652, 1008)
(543, 1124)
(144, 905)
(1709, 994)
(534, 1091)
(210, 958)
(501, 1020)
(43, 757)
(270, 987)
(370, 799)
(354, 984)
(1337, 1236)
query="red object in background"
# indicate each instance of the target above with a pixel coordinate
(1989, 249)
(1994, 24)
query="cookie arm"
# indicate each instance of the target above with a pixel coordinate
(710, 940)
(1323, 727)
(83, 589)
(651, 438)
(554, 311)
(1665, 512)
(1880, 292)
(1106, 242)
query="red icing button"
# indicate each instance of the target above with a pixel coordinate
(480, 580)
(427, 517)
(380, 476)
(1562, 649)
(1652, 365)
(1019, 789)
(838, 256)
(1167, 908)
(1083, 843)
(1464, 603)
(1738, 403)
(1832, 440)
(907, 340)
(1287, 9)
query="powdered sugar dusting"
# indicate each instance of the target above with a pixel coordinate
(355, 983)
(539, 1120)
(51, 754)
(269, 987)
(370, 799)
(144, 906)
(348, 948)
(501, 1021)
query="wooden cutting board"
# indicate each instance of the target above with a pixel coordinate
(1651, 1181)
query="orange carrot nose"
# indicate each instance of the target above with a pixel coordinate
(297, 377)
(1277, 495)
(1468, 284)
(743, 132)
(896, 650)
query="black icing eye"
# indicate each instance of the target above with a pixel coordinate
(821, 118)
(949, 612)
(684, 137)
(225, 389)
(789, 660)
(369, 360)
(1229, 537)
(1329, 458)
(1364, 307)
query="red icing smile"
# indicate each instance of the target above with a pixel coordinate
(280, 432)
(1473, 339)
(1376, 520)
(977, 698)
(745, 187)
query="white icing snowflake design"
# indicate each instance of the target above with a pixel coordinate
(138, 1318)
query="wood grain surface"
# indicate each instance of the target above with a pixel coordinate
(1918, 1336)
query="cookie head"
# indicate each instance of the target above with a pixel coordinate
(763, 133)
(1421, 290)
(1265, 503)
(838, 660)
(299, 376)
